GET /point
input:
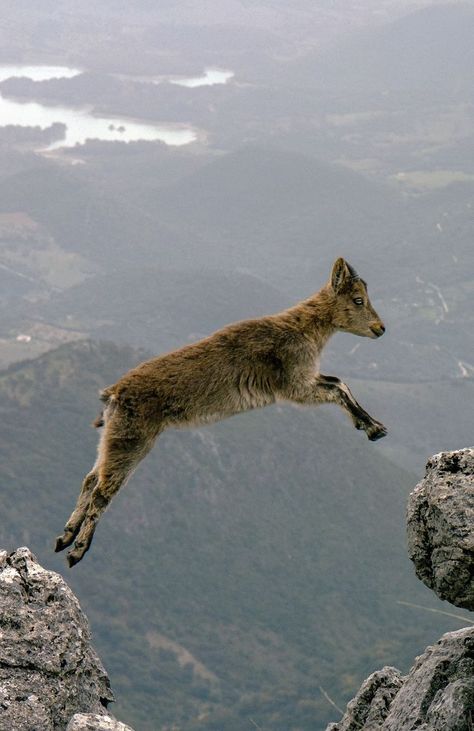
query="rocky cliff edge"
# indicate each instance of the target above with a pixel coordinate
(51, 679)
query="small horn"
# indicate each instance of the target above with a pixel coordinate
(354, 276)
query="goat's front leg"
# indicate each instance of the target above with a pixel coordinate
(331, 390)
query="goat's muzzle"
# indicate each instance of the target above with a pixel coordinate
(378, 329)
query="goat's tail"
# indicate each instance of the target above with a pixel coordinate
(105, 396)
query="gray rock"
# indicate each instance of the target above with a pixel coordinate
(92, 722)
(369, 709)
(438, 693)
(440, 527)
(48, 669)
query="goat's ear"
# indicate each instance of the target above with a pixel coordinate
(340, 275)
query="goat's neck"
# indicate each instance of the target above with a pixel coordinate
(314, 316)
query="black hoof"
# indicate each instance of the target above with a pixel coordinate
(378, 433)
(77, 553)
(59, 545)
(62, 542)
(73, 558)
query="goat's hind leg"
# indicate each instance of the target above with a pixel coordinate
(73, 525)
(119, 458)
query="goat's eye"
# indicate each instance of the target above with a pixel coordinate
(358, 301)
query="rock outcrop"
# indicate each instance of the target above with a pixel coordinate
(48, 669)
(436, 695)
(438, 692)
(369, 709)
(440, 527)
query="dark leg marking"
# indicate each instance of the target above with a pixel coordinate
(362, 420)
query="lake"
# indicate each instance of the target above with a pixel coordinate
(211, 77)
(81, 123)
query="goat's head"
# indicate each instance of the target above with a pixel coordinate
(352, 311)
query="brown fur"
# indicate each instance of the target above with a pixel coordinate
(244, 366)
